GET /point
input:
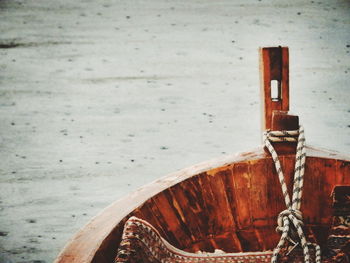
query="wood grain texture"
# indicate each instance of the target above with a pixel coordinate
(231, 204)
(274, 65)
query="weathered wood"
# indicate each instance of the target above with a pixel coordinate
(243, 188)
(281, 120)
(274, 65)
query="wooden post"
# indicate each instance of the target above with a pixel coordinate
(274, 69)
(274, 76)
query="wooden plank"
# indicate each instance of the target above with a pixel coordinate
(151, 213)
(172, 221)
(189, 201)
(319, 181)
(259, 202)
(218, 217)
(241, 195)
(249, 240)
(343, 172)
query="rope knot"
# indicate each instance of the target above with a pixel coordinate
(292, 215)
(290, 221)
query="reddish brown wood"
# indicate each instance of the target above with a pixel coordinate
(229, 203)
(274, 65)
(281, 120)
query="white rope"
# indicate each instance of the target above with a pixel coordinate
(292, 215)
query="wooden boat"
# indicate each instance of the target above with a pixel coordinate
(230, 203)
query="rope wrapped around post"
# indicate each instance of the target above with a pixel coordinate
(292, 215)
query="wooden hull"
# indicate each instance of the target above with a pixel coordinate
(229, 204)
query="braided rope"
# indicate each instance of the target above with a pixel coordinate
(292, 215)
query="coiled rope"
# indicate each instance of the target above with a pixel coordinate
(292, 215)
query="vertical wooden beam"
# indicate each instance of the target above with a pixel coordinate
(274, 66)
